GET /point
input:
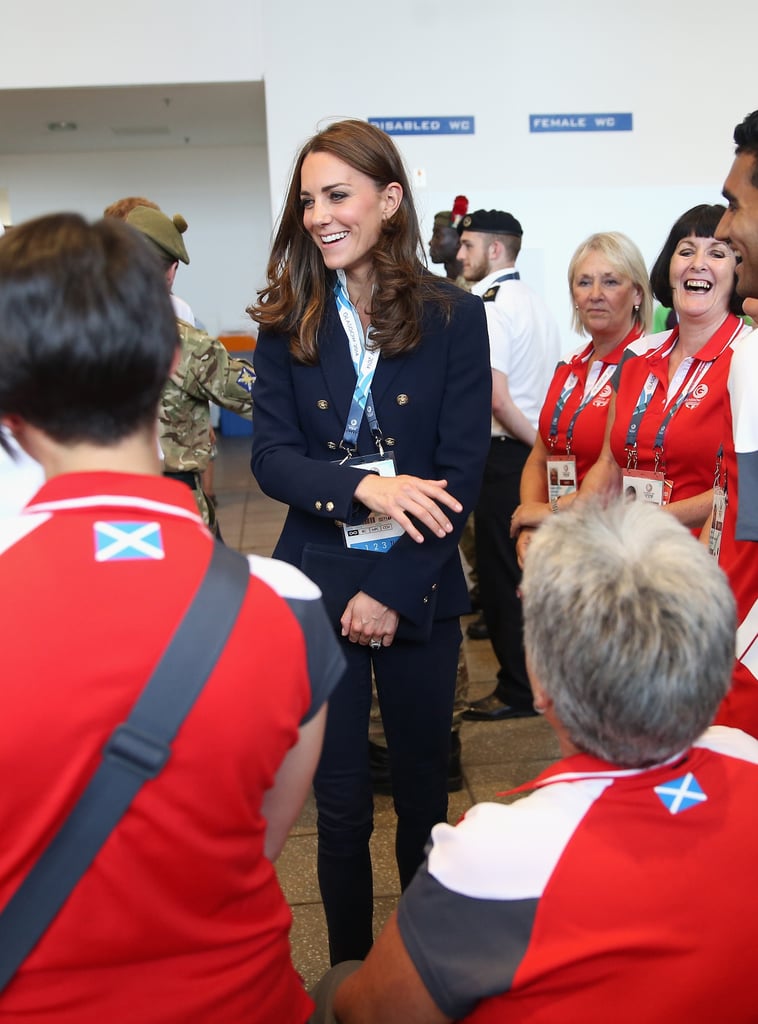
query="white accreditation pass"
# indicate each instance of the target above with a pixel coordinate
(379, 532)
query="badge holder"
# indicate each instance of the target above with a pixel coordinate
(641, 486)
(651, 486)
(378, 532)
(561, 476)
(718, 511)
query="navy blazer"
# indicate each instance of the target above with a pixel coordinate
(433, 407)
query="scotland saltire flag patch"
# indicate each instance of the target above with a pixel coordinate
(680, 794)
(116, 542)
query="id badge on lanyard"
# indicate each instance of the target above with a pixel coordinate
(379, 532)
(639, 485)
(561, 475)
(718, 511)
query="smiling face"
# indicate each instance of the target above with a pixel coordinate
(343, 211)
(701, 273)
(739, 225)
(604, 298)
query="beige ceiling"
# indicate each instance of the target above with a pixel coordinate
(133, 117)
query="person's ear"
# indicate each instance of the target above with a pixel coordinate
(393, 196)
(171, 274)
(11, 421)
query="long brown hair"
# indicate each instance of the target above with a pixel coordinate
(299, 283)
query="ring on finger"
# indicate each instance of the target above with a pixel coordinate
(375, 644)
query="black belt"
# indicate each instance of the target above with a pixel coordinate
(189, 477)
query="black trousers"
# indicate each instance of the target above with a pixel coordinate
(497, 565)
(415, 684)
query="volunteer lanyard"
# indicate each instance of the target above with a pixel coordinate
(595, 382)
(364, 362)
(651, 383)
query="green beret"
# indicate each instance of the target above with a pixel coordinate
(498, 222)
(165, 234)
(443, 219)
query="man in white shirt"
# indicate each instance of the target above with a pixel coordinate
(525, 345)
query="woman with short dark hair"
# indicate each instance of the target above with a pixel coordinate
(666, 425)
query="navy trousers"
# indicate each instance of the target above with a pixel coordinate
(415, 685)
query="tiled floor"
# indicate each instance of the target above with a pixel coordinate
(496, 755)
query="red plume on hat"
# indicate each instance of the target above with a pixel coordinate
(460, 209)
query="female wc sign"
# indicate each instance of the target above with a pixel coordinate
(580, 122)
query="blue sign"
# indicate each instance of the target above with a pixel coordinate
(424, 125)
(580, 122)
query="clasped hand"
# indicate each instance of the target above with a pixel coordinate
(403, 496)
(365, 619)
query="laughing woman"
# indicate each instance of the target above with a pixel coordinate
(372, 423)
(666, 422)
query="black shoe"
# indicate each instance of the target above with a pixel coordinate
(477, 630)
(379, 763)
(492, 709)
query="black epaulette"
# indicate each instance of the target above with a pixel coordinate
(491, 293)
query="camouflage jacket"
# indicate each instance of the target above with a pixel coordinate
(206, 373)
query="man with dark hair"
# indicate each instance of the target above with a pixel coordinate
(524, 349)
(739, 472)
(179, 917)
(444, 243)
(739, 224)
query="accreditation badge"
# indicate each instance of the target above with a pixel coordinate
(561, 476)
(379, 532)
(639, 485)
(717, 521)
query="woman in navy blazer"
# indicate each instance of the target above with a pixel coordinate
(363, 353)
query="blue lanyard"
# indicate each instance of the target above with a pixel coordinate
(604, 373)
(648, 389)
(365, 362)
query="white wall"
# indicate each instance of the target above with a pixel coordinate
(223, 194)
(87, 42)
(685, 77)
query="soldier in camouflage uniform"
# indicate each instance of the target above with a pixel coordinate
(205, 372)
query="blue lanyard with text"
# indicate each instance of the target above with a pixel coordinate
(590, 390)
(648, 390)
(365, 362)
